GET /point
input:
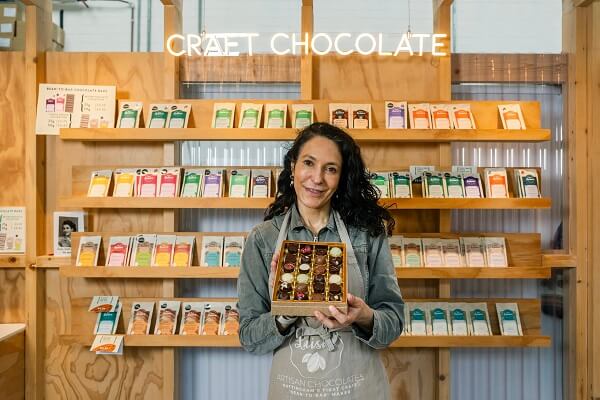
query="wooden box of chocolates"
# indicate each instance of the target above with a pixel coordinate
(310, 276)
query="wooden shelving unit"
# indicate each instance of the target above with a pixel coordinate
(233, 273)
(404, 341)
(418, 203)
(150, 272)
(473, 273)
(287, 134)
(529, 310)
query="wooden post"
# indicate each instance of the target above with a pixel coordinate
(37, 41)
(172, 25)
(306, 62)
(441, 18)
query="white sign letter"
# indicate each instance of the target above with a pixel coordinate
(336, 43)
(381, 52)
(404, 45)
(194, 42)
(304, 43)
(273, 38)
(169, 45)
(421, 36)
(373, 43)
(435, 44)
(329, 44)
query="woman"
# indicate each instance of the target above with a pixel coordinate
(324, 195)
(68, 227)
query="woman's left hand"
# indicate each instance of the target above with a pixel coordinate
(358, 313)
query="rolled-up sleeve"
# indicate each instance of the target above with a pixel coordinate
(258, 331)
(384, 297)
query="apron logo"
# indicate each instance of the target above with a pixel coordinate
(314, 362)
(311, 358)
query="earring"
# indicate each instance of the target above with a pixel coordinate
(292, 180)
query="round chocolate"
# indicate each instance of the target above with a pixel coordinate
(321, 251)
(306, 249)
(301, 296)
(320, 260)
(306, 259)
(334, 269)
(292, 248)
(285, 287)
(304, 268)
(319, 287)
(335, 260)
(302, 278)
(283, 295)
(319, 269)
(287, 278)
(290, 258)
(335, 297)
(335, 252)
(318, 296)
(335, 279)
(335, 288)
(289, 267)
(302, 287)
(319, 278)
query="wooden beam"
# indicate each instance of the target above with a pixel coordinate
(38, 39)
(306, 60)
(498, 68)
(176, 3)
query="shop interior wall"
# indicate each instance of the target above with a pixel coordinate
(143, 372)
(12, 267)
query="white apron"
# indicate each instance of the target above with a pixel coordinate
(317, 363)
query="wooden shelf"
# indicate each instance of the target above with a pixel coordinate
(252, 203)
(472, 273)
(52, 262)
(447, 204)
(12, 261)
(161, 341)
(9, 330)
(233, 273)
(288, 134)
(472, 341)
(165, 203)
(559, 259)
(404, 341)
(150, 272)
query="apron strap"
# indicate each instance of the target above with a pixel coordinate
(354, 273)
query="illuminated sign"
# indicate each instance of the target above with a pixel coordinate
(227, 44)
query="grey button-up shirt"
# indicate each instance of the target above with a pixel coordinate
(258, 331)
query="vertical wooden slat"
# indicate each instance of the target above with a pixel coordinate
(442, 25)
(37, 40)
(575, 44)
(306, 60)
(593, 68)
(172, 25)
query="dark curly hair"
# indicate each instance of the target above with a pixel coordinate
(355, 198)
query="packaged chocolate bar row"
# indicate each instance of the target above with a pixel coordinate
(178, 182)
(161, 250)
(438, 252)
(172, 317)
(459, 319)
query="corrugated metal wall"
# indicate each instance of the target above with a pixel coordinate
(501, 374)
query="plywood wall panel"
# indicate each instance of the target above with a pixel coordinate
(12, 367)
(72, 371)
(12, 129)
(12, 295)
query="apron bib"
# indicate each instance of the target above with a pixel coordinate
(323, 364)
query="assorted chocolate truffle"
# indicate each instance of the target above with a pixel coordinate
(310, 272)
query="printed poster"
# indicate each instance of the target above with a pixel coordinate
(12, 229)
(74, 106)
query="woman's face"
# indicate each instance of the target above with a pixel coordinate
(67, 230)
(317, 172)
